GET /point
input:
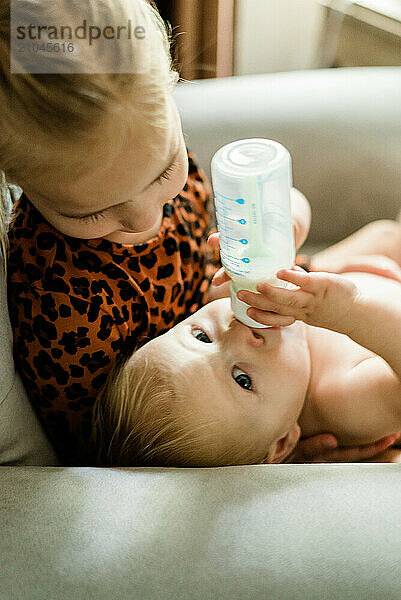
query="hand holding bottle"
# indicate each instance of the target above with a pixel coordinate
(320, 299)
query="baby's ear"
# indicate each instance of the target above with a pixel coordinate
(279, 451)
(271, 455)
(283, 449)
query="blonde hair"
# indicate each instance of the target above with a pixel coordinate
(39, 111)
(5, 208)
(139, 419)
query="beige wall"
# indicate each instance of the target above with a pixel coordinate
(276, 35)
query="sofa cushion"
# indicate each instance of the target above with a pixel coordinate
(22, 439)
(342, 128)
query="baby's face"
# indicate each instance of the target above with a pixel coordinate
(125, 201)
(252, 381)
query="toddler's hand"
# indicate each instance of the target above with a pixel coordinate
(321, 299)
(221, 276)
(301, 216)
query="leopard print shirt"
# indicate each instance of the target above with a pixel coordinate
(76, 305)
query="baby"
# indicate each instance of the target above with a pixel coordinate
(212, 391)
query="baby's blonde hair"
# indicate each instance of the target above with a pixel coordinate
(140, 419)
(137, 419)
(40, 111)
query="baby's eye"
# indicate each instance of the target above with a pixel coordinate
(201, 336)
(242, 378)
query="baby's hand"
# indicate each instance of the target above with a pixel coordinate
(321, 299)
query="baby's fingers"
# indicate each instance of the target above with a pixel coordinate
(270, 319)
(299, 277)
(276, 299)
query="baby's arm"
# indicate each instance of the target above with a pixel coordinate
(333, 302)
(326, 300)
(376, 325)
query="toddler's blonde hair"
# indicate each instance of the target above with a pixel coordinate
(5, 208)
(39, 112)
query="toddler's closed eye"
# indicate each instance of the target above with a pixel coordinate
(167, 174)
(92, 218)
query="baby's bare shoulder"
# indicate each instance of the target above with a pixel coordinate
(372, 391)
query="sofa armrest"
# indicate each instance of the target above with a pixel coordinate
(342, 128)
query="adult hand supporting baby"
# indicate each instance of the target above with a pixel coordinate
(322, 448)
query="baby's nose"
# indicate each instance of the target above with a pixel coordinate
(249, 336)
(256, 340)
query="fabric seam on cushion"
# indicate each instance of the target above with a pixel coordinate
(11, 387)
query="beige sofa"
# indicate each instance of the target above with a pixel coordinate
(296, 532)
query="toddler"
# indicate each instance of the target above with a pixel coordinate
(108, 240)
(214, 392)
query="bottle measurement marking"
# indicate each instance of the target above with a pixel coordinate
(227, 233)
(238, 200)
(240, 221)
(241, 241)
(234, 265)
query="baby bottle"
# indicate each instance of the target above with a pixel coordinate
(252, 180)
